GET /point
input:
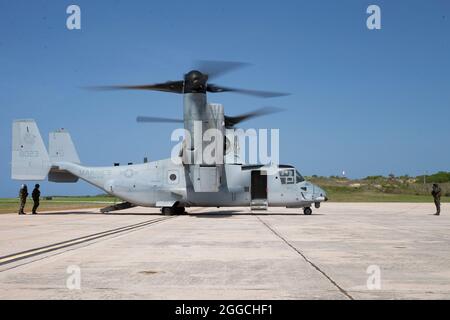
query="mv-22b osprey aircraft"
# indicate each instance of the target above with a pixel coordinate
(167, 184)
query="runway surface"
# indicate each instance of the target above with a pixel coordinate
(343, 251)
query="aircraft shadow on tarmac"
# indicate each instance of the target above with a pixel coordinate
(101, 214)
(212, 214)
(229, 213)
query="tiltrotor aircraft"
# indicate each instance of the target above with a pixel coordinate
(167, 184)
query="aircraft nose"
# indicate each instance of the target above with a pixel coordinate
(320, 194)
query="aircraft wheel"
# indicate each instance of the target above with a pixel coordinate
(307, 211)
(167, 211)
(180, 210)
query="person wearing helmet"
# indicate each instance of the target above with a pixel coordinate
(36, 195)
(23, 194)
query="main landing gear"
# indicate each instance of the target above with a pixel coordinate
(169, 211)
(307, 211)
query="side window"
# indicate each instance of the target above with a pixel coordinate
(287, 176)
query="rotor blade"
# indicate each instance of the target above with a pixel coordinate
(158, 119)
(262, 94)
(218, 68)
(169, 86)
(232, 121)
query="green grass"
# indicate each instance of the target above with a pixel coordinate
(8, 205)
(343, 194)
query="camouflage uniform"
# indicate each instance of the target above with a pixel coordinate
(23, 194)
(436, 193)
(36, 195)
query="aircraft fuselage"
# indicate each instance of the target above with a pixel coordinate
(163, 184)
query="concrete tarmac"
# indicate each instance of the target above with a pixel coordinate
(342, 251)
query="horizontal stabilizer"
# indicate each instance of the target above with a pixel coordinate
(61, 176)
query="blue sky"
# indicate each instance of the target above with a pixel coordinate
(367, 102)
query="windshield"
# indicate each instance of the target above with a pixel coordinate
(298, 177)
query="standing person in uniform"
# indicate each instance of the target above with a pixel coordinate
(23, 194)
(36, 195)
(436, 193)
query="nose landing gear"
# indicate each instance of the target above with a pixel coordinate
(307, 211)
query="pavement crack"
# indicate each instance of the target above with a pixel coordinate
(333, 282)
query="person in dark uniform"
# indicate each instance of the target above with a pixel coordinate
(436, 193)
(36, 195)
(23, 194)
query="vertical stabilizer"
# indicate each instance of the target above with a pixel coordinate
(30, 160)
(61, 147)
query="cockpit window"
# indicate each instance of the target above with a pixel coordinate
(298, 178)
(287, 176)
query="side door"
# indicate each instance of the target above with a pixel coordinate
(258, 187)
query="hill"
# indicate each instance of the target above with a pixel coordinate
(384, 189)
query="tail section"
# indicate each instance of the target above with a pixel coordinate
(30, 160)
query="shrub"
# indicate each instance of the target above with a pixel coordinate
(373, 177)
(440, 177)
